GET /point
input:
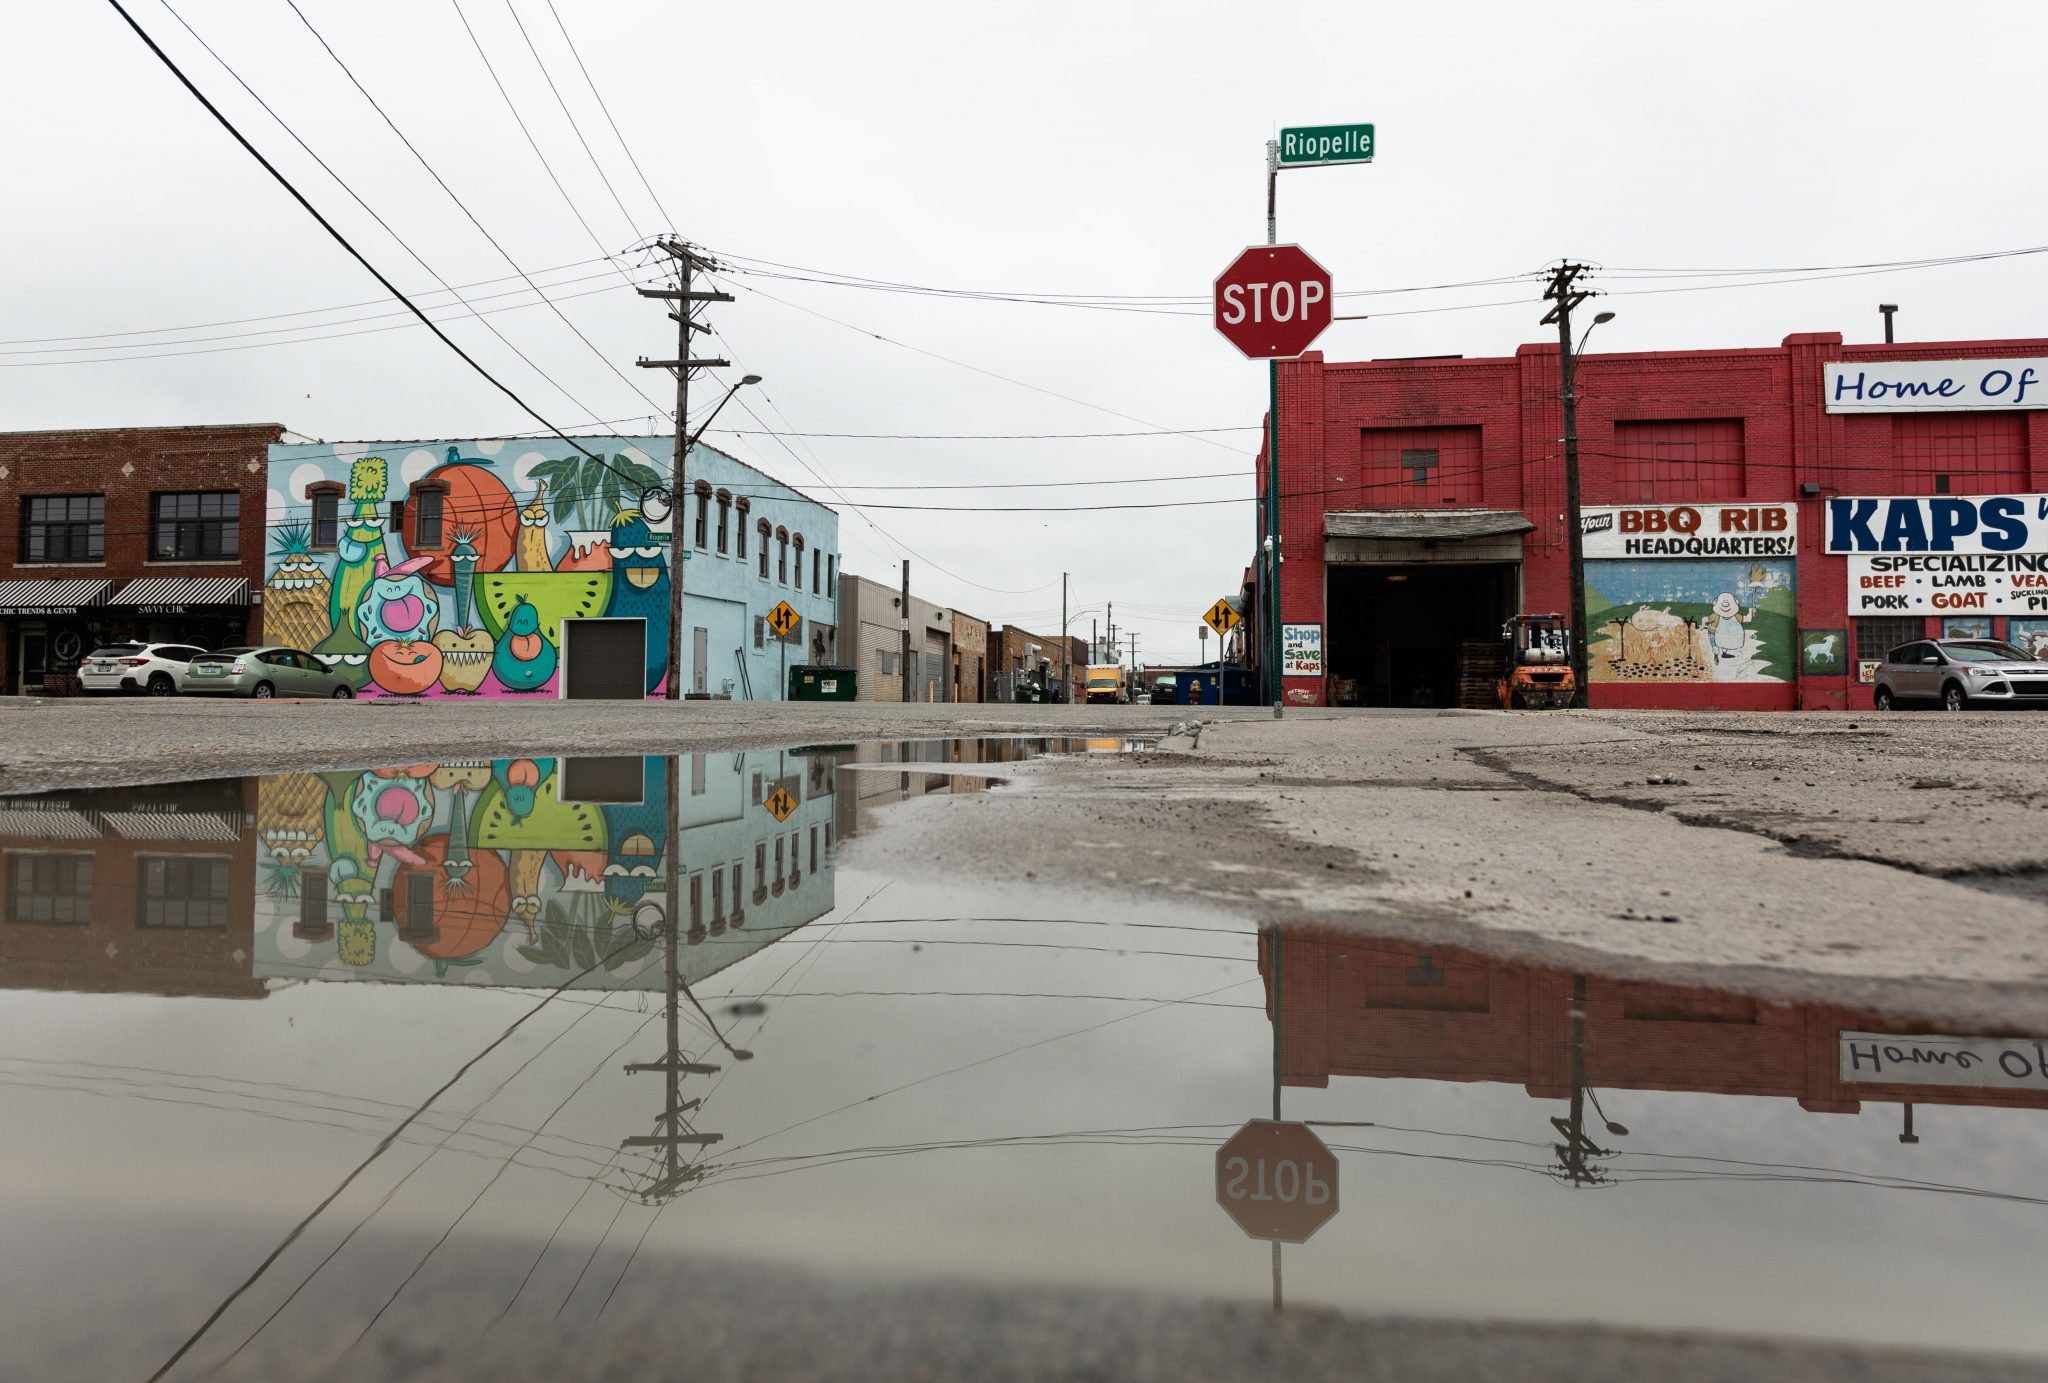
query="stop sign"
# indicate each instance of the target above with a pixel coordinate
(1277, 1181)
(1273, 300)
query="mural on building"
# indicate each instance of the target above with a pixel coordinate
(2030, 634)
(485, 872)
(513, 545)
(1712, 620)
(1824, 652)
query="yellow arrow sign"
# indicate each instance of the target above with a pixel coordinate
(780, 804)
(782, 619)
(1222, 618)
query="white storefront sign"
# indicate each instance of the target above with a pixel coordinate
(1301, 650)
(1971, 1063)
(1933, 386)
(1940, 554)
(1689, 530)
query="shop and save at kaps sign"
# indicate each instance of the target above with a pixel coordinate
(1689, 530)
(1943, 554)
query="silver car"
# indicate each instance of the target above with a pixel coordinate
(263, 673)
(1957, 674)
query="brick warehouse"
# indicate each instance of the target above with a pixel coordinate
(1423, 503)
(146, 533)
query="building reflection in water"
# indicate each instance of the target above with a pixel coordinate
(1353, 1005)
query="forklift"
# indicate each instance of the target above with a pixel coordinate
(1536, 672)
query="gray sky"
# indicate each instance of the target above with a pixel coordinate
(1054, 148)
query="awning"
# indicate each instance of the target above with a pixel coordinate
(1426, 525)
(58, 597)
(174, 595)
(205, 826)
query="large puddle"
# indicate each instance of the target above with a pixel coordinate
(503, 1038)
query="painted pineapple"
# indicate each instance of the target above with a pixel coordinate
(362, 540)
(295, 597)
(530, 553)
(291, 816)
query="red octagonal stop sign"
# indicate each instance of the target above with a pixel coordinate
(1272, 301)
(1277, 1181)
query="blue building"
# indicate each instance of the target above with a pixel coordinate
(518, 567)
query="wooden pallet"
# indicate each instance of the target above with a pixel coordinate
(1478, 674)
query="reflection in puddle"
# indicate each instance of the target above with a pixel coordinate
(537, 1026)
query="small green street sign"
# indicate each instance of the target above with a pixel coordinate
(1307, 146)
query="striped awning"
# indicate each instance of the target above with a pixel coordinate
(224, 827)
(170, 595)
(54, 597)
(47, 823)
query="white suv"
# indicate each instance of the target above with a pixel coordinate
(155, 668)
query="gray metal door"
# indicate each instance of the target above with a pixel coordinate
(700, 653)
(604, 659)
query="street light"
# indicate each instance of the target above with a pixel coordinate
(1598, 318)
(677, 504)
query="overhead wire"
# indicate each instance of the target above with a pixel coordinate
(574, 126)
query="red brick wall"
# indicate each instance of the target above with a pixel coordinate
(127, 465)
(1773, 395)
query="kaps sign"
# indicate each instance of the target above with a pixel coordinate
(1941, 523)
(1917, 386)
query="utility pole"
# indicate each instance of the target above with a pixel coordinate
(1094, 643)
(1566, 297)
(904, 665)
(1888, 309)
(1066, 648)
(688, 261)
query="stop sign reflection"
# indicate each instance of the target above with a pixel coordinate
(1273, 301)
(1277, 1181)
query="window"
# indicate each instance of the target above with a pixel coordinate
(817, 570)
(396, 520)
(782, 556)
(1877, 637)
(1416, 466)
(797, 541)
(764, 549)
(428, 503)
(725, 522)
(757, 789)
(312, 902)
(814, 849)
(63, 528)
(697, 901)
(742, 506)
(703, 516)
(760, 632)
(181, 891)
(49, 888)
(831, 576)
(717, 898)
(696, 775)
(888, 662)
(1960, 453)
(778, 864)
(1695, 459)
(202, 527)
(796, 860)
(326, 500)
(738, 912)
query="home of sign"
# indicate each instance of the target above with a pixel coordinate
(1906, 386)
(1943, 553)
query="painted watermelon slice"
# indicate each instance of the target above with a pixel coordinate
(554, 595)
(551, 825)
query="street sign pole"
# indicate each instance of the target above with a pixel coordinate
(1273, 444)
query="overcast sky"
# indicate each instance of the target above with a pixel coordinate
(1105, 149)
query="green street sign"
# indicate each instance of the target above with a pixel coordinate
(1309, 146)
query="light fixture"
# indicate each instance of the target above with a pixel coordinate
(1397, 576)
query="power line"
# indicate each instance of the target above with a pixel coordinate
(339, 238)
(567, 115)
(601, 105)
(442, 182)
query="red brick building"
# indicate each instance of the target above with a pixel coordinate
(143, 533)
(1423, 503)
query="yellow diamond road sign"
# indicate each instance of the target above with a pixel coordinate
(780, 804)
(1222, 618)
(782, 619)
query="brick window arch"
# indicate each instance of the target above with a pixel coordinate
(425, 526)
(742, 504)
(702, 535)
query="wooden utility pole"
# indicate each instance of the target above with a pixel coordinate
(688, 261)
(1066, 647)
(903, 664)
(1566, 297)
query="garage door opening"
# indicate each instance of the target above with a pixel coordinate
(1418, 635)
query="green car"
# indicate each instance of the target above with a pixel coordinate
(263, 673)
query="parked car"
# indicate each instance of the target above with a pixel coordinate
(263, 673)
(153, 668)
(1956, 674)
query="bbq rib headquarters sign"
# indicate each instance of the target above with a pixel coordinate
(1689, 530)
(1939, 554)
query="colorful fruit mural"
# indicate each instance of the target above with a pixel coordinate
(475, 606)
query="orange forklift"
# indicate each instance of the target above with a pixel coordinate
(1536, 673)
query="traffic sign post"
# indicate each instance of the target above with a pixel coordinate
(782, 619)
(1277, 1181)
(1273, 301)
